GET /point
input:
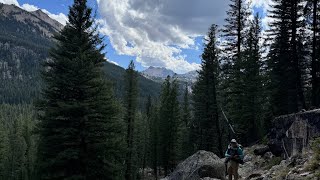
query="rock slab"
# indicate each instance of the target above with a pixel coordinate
(201, 165)
(292, 133)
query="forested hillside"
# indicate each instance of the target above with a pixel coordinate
(25, 40)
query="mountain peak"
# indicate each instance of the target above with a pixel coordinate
(160, 72)
(38, 18)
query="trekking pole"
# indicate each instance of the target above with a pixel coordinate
(225, 117)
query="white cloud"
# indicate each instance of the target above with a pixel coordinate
(29, 7)
(61, 18)
(113, 62)
(156, 31)
(264, 4)
(14, 2)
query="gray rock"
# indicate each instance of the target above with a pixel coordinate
(202, 164)
(255, 176)
(292, 133)
(261, 150)
(268, 156)
(247, 158)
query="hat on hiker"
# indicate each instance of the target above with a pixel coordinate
(234, 141)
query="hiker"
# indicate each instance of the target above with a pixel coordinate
(234, 157)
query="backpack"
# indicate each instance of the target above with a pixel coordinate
(234, 152)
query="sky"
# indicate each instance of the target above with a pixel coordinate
(160, 33)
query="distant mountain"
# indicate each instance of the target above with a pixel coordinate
(25, 40)
(33, 22)
(160, 73)
(189, 76)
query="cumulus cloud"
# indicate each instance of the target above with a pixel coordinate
(266, 6)
(156, 31)
(14, 2)
(29, 7)
(62, 18)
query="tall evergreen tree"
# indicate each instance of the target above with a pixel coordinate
(187, 143)
(206, 117)
(186, 111)
(284, 62)
(147, 134)
(234, 33)
(169, 125)
(154, 138)
(315, 61)
(131, 106)
(139, 146)
(251, 125)
(80, 130)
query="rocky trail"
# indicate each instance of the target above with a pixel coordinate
(205, 165)
(291, 152)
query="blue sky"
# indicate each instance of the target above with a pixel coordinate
(152, 33)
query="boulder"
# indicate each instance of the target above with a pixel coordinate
(268, 156)
(292, 133)
(260, 151)
(201, 165)
(255, 176)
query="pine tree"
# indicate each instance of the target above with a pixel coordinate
(187, 144)
(131, 106)
(186, 115)
(234, 33)
(80, 130)
(315, 62)
(154, 138)
(251, 125)
(234, 29)
(206, 117)
(17, 149)
(284, 62)
(147, 130)
(140, 149)
(3, 151)
(169, 125)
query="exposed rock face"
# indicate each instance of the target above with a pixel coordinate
(292, 133)
(158, 72)
(201, 165)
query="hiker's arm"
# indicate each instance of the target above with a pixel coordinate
(241, 153)
(227, 155)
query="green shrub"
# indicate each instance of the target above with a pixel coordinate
(265, 140)
(314, 164)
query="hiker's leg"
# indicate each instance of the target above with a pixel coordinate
(230, 170)
(235, 169)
